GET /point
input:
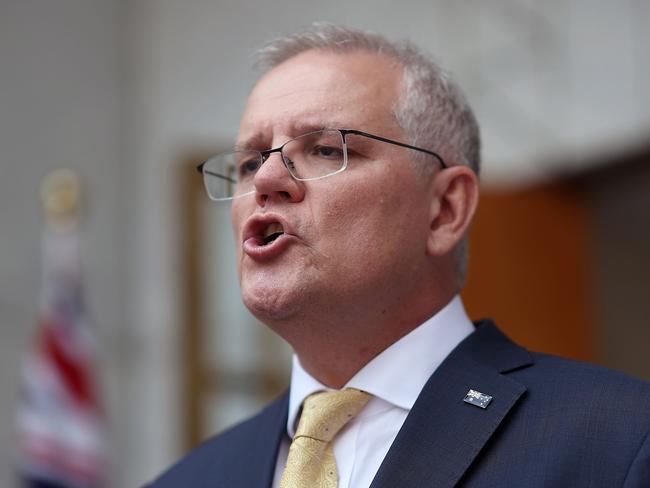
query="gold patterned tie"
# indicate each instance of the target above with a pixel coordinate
(311, 462)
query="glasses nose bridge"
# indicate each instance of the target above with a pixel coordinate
(280, 149)
(267, 154)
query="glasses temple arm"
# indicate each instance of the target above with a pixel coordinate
(396, 143)
(200, 168)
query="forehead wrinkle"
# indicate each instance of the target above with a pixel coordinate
(297, 97)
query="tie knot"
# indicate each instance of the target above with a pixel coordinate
(325, 413)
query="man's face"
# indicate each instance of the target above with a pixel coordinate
(351, 241)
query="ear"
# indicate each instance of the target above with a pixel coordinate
(455, 197)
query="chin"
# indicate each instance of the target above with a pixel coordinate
(270, 303)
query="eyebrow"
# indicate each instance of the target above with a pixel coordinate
(248, 144)
(255, 142)
(297, 129)
(305, 127)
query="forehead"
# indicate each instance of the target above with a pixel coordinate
(316, 89)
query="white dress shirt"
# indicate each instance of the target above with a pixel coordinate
(394, 378)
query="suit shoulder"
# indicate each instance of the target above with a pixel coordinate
(586, 389)
(586, 373)
(229, 453)
(547, 373)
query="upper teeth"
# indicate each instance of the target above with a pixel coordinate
(273, 229)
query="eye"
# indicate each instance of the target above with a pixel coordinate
(327, 152)
(248, 167)
(290, 163)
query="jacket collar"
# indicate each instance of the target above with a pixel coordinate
(442, 434)
(270, 428)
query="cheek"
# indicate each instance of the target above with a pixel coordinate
(370, 227)
(238, 217)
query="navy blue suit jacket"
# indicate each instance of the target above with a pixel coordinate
(552, 423)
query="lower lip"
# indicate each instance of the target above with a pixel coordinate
(255, 248)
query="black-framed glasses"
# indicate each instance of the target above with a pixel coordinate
(311, 156)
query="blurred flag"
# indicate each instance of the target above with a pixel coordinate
(60, 425)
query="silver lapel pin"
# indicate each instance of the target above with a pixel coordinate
(477, 399)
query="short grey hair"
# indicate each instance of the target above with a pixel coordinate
(432, 110)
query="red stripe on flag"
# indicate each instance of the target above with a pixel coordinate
(74, 373)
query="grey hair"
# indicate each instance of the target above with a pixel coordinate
(432, 110)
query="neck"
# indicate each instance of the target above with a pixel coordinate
(333, 348)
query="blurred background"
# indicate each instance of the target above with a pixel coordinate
(131, 94)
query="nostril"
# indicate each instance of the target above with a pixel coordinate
(285, 194)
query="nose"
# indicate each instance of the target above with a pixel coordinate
(274, 182)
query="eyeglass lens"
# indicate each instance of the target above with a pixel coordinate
(310, 156)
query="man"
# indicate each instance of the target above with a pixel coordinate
(350, 235)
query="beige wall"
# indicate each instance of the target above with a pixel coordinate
(124, 90)
(60, 99)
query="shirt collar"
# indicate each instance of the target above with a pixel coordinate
(419, 353)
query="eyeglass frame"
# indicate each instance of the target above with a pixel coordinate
(264, 156)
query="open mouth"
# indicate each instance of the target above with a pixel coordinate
(267, 236)
(272, 232)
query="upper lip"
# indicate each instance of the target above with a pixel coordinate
(256, 224)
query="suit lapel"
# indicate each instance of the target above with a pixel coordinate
(269, 429)
(442, 435)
